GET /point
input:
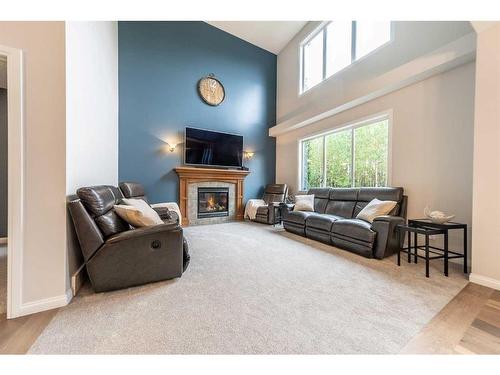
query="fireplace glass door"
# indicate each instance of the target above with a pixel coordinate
(213, 202)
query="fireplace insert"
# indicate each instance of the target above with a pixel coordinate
(213, 202)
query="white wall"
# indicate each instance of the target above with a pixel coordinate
(91, 113)
(485, 234)
(91, 104)
(417, 48)
(44, 241)
(432, 142)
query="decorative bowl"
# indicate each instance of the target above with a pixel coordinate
(437, 217)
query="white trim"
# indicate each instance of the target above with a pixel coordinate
(484, 281)
(77, 280)
(46, 304)
(15, 97)
(354, 59)
(456, 53)
(366, 120)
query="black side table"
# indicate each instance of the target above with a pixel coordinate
(428, 228)
(277, 213)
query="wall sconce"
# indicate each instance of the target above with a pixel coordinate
(248, 155)
(170, 147)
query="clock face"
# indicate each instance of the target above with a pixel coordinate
(211, 90)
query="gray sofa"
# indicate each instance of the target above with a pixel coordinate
(334, 220)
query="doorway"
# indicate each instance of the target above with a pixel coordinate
(3, 185)
(13, 58)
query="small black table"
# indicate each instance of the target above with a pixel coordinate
(428, 228)
(278, 212)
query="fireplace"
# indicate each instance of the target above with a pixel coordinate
(213, 202)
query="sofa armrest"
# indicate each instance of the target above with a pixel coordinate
(163, 212)
(173, 208)
(387, 242)
(141, 232)
(286, 208)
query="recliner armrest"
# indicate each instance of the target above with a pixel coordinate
(141, 232)
(387, 235)
(163, 212)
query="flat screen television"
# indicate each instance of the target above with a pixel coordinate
(210, 148)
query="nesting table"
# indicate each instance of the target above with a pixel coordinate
(427, 228)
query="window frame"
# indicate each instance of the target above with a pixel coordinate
(381, 116)
(323, 26)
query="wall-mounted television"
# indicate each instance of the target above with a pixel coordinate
(210, 148)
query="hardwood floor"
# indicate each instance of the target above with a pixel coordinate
(483, 336)
(17, 335)
(468, 324)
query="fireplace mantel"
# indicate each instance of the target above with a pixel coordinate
(189, 175)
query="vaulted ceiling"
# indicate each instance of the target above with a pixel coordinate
(272, 36)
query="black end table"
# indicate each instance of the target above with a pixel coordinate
(428, 228)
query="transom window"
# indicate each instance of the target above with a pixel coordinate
(352, 156)
(336, 45)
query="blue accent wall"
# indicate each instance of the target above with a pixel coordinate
(160, 64)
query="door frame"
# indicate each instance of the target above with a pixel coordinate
(16, 178)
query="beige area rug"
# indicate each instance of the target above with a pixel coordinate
(255, 289)
(3, 279)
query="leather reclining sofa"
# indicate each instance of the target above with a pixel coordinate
(334, 220)
(118, 256)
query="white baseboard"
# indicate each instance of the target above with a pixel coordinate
(484, 281)
(46, 304)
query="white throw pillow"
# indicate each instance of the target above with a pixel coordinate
(304, 203)
(137, 213)
(376, 208)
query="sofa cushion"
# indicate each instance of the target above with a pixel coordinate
(340, 208)
(323, 222)
(354, 228)
(344, 194)
(133, 190)
(97, 199)
(298, 217)
(342, 202)
(110, 223)
(320, 198)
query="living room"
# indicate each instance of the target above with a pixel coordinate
(249, 186)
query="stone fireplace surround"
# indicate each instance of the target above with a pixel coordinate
(190, 178)
(192, 203)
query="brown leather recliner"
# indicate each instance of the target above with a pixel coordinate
(273, 193)
(116, 255)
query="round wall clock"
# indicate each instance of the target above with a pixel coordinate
(211, 90)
